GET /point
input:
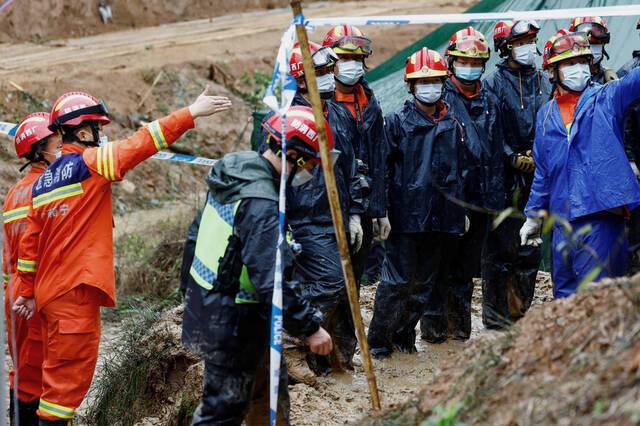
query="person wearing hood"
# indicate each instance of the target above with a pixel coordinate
(583, 185)
(426, 187)
(632, 146)
(467, 55)
(228, 307)
(518, 89)
(355, 96)
(598, 33)
(318, 264)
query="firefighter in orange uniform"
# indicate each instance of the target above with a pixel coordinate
(40, 147)
(65, 257)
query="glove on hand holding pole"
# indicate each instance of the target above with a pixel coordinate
(530, 233)
(523, 162)
(355, 232)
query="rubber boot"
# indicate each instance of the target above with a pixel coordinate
(299, 371)
(12, 410)
(28, 415)
(44, 422)
(26, 412)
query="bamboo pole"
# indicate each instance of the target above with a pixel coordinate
(334, 203)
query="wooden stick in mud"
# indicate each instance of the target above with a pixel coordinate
(334, 203)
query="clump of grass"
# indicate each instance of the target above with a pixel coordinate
(148, 263)
(148, 373)
(122, 391)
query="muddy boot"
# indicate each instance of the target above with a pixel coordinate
(388, 316)
(299, 371)
(404, 341)
(433, 329)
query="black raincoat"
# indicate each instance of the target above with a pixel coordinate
(485, 184)
(427, 166)
(632, 147)
(369, 148)
(509, 270)
(234, 338)
(318, 266)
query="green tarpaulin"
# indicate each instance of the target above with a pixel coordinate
(387, 78)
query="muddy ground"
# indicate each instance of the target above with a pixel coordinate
(344, 398)
(339, 398)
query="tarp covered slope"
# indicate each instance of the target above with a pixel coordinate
(387, 78)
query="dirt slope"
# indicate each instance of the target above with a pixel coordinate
(66, 19)
(571, 362)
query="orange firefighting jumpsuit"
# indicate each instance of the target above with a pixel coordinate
(26, 334)
(66, 256)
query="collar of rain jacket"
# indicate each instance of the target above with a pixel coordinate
(242, 175)
(453, 81)
(415, 117)
(504, 65)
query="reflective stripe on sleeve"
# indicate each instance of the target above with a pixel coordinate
(27, 265)
(158, 136)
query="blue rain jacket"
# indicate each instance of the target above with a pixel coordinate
(585, 171)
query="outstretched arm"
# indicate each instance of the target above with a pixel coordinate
(114, 159)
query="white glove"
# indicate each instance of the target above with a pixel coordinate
(381, 228)
(355, 232)
(467, 224)
(530, 233)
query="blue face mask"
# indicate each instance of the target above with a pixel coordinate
(468, 73)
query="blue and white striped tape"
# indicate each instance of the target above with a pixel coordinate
(287, 85)
(9, 130)
(468, 18)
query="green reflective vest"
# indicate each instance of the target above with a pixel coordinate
(216, 226)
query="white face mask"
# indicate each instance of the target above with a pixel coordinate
(326, 83)
(575, 77)
(301, 177)
(56, 154)
(597, 50)
(428, 93)
(526, 54)
(350, 72)
(103, 140)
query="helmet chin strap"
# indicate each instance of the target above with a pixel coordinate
(294, 170)
(95, 131)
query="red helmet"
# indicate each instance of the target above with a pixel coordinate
(300, 132)
(322, 57)
(348, 40)
(565, 45)
(425, 63)
(468, 43)
(594, 26)
(506, 31)
(33, 129)
(74, 108)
